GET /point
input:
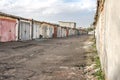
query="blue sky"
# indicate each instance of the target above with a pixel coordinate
(79, 11)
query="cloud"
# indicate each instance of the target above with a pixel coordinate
(47, 9)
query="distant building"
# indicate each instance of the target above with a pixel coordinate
(67, 24)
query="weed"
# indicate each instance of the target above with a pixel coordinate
(99, 74)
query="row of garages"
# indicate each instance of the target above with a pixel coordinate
(14, 28)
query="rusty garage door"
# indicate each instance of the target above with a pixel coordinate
(25, 30)
(67, 32)
(55, 32)
(7, 30)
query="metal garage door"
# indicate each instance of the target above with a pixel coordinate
(7, 30)
(25, 30)
(36, 31)
(44, 31)
(55, 32)
(51, 32)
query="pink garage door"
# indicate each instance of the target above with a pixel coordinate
(7, 30)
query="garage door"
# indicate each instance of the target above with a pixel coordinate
(25, 30)
(7, 30)
(36, 31)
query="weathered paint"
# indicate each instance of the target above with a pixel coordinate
(25, 30)
(59, 32)
(71, 32)
(40, 31)
(47, 30)
(36, 30)
(7, 29)
(107, 24)
(67, 32)
(50, 31)
(44, 31)
(63, 32)
(67, 24)
(55, 32)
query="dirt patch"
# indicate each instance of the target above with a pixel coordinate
(54, 59)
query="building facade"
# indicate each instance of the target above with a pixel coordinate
(67, 24)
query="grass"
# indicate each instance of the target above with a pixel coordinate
(93, 58)
(99, 74)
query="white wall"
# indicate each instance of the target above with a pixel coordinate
(108, 37)
(68, 24)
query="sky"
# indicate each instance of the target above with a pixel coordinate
(80, 11)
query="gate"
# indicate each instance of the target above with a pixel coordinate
(25, 30)
(7, 30)
(55, 32)
(36, 31)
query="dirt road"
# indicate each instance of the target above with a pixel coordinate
(54, 59)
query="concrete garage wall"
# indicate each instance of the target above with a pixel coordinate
(107, 23)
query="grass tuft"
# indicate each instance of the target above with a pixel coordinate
(99, 74)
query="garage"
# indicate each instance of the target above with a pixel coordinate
(36, 30)
(25, 30)
(7, 29)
